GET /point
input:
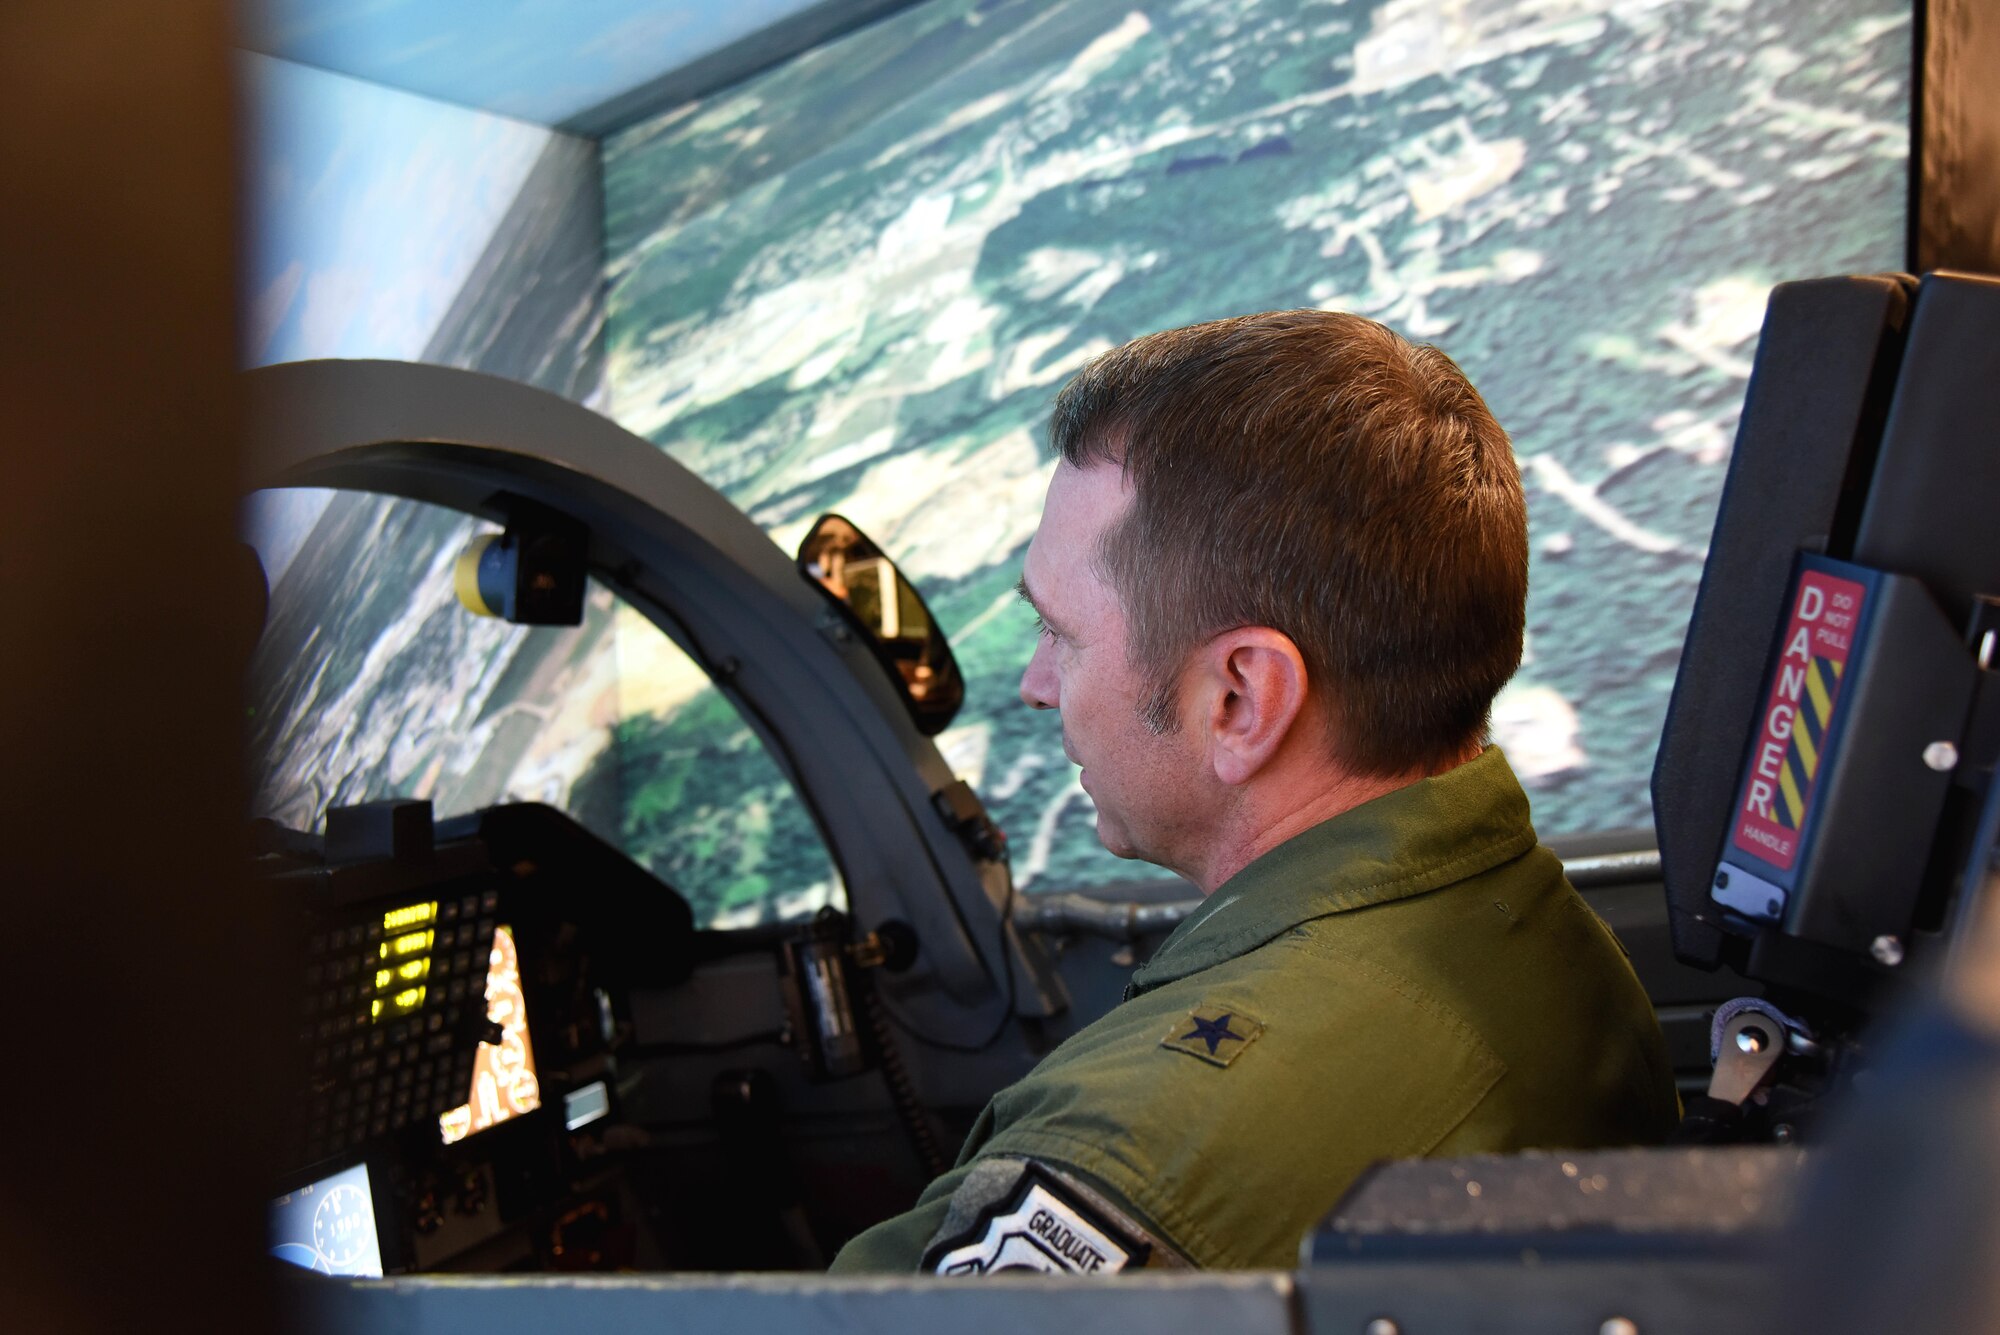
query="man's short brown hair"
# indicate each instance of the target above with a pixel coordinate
(1313, 472)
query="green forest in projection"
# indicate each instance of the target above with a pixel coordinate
(855, 284)
(694, 794)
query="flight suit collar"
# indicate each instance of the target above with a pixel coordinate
(1426, 835)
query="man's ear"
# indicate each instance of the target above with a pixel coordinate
(1253, 682)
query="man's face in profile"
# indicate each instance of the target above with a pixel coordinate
(1142, 783)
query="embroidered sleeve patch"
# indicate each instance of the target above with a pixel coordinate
(1213, 1033)
(1043, 1223)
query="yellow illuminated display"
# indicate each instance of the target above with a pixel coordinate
(401, 1004)
(405, 960)
(409, 916)
(409, 943)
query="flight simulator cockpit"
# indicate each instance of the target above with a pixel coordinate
(616, 867)
(515, 1033)
(520, 1050)
(669, 872)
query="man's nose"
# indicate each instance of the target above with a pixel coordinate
(1038, 683)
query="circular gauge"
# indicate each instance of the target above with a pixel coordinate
(342, 1227)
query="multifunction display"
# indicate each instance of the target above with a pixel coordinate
(394, 1009)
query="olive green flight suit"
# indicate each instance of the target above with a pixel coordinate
(1413, 977)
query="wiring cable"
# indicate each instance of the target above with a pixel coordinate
(902, 1091)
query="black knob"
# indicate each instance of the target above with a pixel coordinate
(899, 944)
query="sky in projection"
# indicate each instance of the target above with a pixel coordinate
(372, 207)
(369, 209)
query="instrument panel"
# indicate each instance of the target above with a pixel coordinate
(395, 1005)
(440, 965)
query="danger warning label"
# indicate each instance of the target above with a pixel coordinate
(1791, 738)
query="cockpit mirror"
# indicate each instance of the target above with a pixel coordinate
(890, 614)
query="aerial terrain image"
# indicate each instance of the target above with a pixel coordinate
(855, 282)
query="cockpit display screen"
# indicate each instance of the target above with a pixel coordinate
(329, 1226)
(388, 994)
(503, 1076)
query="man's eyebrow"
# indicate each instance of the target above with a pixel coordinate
(1028, 597)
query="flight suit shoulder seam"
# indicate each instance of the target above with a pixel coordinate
(1405, 987)
(1480, 1095)
(1489, 1069)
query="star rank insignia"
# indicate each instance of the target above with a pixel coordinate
(1216, 1034)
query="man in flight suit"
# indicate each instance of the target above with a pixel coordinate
(1281, 575)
